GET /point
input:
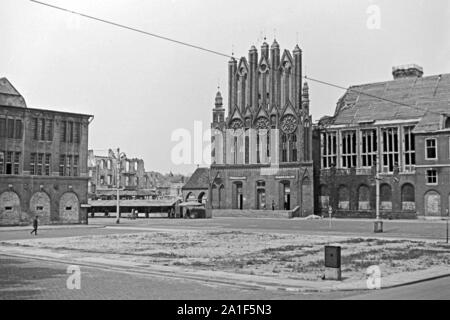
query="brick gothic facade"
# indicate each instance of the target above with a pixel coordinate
(261, 151)
(43, 162)
(410, 146)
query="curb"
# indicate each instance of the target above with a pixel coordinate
(251, 285)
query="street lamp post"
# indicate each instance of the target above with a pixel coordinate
(378, 224)
(119, 157)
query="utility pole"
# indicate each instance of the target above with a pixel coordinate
(118, 186)
(119, 158)
(378, 224)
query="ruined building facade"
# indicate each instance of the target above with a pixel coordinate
(261, 140)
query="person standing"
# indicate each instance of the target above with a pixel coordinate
(35, 225)
(273, 205)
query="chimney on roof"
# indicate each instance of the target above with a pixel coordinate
(407, 71)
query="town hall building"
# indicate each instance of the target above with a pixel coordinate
(261, 141)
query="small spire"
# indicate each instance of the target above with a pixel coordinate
(275, 44)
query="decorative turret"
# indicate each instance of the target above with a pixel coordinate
(219, 100)
(275, 74)
(253, 82)
(232, 85)
(218, 111)
(297, 77)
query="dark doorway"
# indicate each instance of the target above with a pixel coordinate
(286, 195)
(238, 197)
(260, 195)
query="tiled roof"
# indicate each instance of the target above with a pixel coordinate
(198, 180)
(9, 96)
(428, 93)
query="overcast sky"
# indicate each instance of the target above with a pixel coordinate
(140, 89)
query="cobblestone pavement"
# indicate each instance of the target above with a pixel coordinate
(22, 278)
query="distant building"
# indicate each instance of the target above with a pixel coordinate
(405, 135)
(170, 189)
(134, 182)
(43, 157)
(261, 151)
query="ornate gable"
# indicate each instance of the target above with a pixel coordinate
(243, 68)
(286, 60)
(289, 109)
(263, 65)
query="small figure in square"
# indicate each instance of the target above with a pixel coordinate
(35, 225)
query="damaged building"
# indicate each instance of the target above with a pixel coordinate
(400, 128)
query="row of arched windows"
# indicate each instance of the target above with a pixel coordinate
(363, 197)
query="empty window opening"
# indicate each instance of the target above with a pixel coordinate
(329, 149)
(410, 149)
(430, 146)
(369, 148)
(349, 153)
(390, 149)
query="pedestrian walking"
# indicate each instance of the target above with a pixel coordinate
(35, 225)
(273, 205)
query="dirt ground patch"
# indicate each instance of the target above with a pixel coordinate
(266, 254)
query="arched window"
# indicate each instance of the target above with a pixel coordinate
(408, 197)
(284, 157)
(344, 198)
(364, 198)
(293, 147)
(385, 197)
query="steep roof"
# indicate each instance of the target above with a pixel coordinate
(198, 180)
(360, 103)
(9, 96)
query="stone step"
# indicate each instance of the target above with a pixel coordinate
(252, 213)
